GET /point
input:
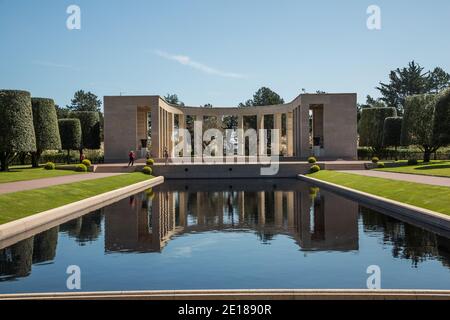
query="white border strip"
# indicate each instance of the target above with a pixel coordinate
(240, 294)
(24, 228)
(429, 217)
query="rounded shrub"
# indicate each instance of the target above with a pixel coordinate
(86, 162)
(49, 166)
(375, 159)
(150, 162)
(16, 125)
(380, 165)
(147, 170)
(90, 128)
(314, 168)
(80, 168)
(412, 162)
(312, 160)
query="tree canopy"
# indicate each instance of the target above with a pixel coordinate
(173, 99)
(70, 132)
(411, 80)
(85, 101)
(392, 131)
(441, 126)
(263, 97)
(417, 126)
(371, 126)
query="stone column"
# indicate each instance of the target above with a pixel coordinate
(289, 133)
(278, 208)
(261, 135)
(261, 203)
(278, 126)
(171, 123)
(240, 137)
(241, 203)
(181, 128)
(183, 208)
(290, 207)
(155, 132)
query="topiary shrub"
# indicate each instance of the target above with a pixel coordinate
(16, 125)
(375, 159)
(412, 162)
(150, 162)
(45, 123)
(80, 168)
(70, 132)
(314, 168)
(90, 128)
(312, 160)
(147, 170)
(371, 126)
(380, 165)
(441, 127)
(87, 162)
(49, 166)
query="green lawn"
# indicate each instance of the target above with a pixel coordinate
(27, 173)
(20, 204)
(434, 198)
(441, 168)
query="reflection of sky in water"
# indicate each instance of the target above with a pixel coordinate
(210, 238)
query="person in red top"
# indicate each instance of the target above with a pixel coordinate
(131, 158)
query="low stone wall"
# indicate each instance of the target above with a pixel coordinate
(24, 228)
(427, 217)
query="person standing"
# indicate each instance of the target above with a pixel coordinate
(131, 158)
(166, 156)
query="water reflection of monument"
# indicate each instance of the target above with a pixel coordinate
(318, 221)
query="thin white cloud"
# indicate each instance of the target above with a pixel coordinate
(53, 65)
(187, 61)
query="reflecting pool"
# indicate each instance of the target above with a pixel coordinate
(229, 234)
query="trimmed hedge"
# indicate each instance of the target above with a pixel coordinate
(16, 125)
(87, 162)
(49, 166)
(371, 126)
(90, 128)
(70, 132)
(45, 127)
(441, 126)
(80, 168)
(45, 124)
(392, 131)
(147, 170)
(312, 160)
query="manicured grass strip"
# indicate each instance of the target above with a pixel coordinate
(22, 174)
(430, 197)
(20, 204)
(441, 169)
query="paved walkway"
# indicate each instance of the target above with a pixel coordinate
(48, 182)
(437, 181)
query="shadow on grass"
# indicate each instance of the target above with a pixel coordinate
(431, 167)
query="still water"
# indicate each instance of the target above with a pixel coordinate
(229, 234)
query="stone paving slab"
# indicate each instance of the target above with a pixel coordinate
(48, 182)
(437, 181)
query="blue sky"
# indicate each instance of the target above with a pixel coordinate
(217, 52)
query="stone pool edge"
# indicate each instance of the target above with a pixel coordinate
(24, 228)
(423, 215)
(241, 294)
